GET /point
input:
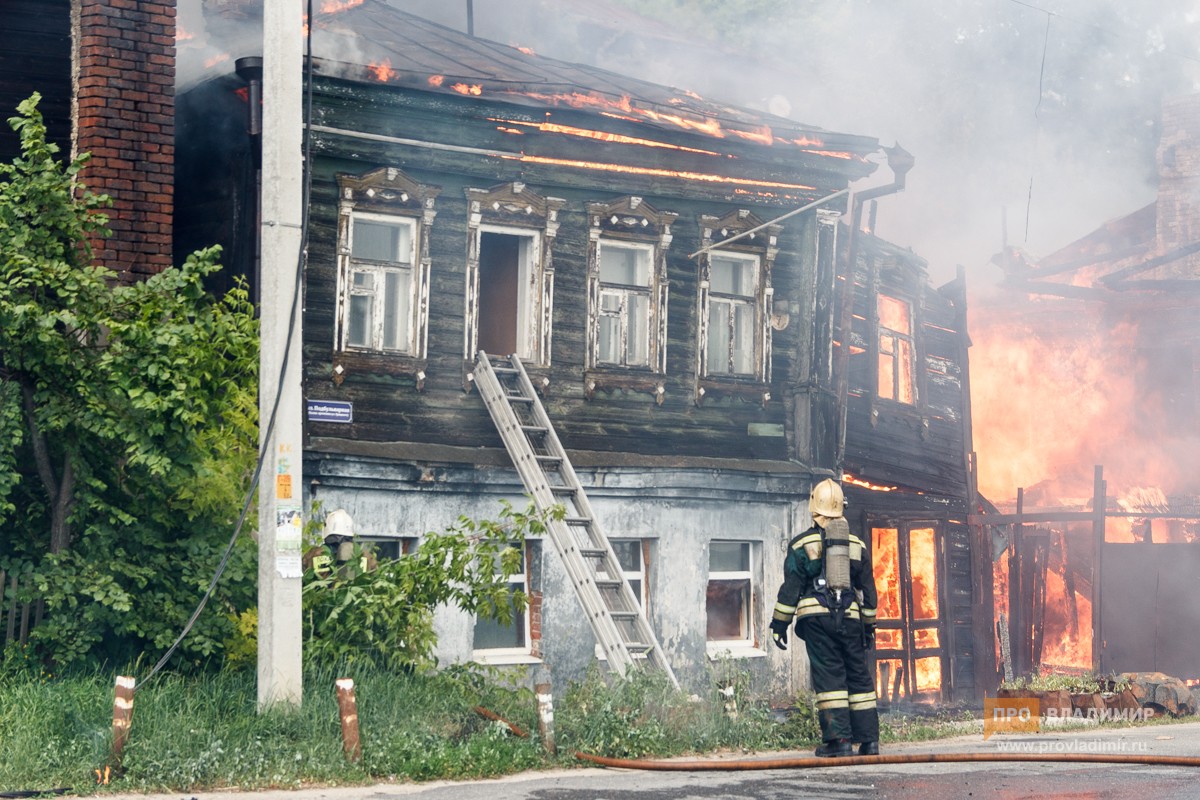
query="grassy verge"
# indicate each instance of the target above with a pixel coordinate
(203, 733)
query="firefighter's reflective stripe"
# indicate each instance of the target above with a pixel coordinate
(322, 565)
(810, 606)
(838, 699)
(868, 616)
(811, 545)
(806, 540)
(860, 702)
(784, 612)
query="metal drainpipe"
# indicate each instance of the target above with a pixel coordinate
(250, 69)
(900, 161)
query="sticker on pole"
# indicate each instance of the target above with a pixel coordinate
(330, 411)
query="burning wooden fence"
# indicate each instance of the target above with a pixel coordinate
(1103, 589)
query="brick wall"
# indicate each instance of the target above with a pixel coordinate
(125, 92)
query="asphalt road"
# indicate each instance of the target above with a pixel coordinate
(929, 781)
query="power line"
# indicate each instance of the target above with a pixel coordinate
(1102, 29)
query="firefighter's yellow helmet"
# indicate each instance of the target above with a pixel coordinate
(826, 499)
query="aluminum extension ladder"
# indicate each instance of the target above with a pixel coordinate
(611, 607)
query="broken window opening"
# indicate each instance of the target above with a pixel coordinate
(729, 598)
(507, 261)
(896, 376)
(510, 273)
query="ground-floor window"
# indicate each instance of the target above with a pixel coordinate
(729, 598)
(494, 641)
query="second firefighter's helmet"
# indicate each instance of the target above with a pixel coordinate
(826, 499)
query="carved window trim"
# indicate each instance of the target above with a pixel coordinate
(514, 206)
(629, 221)
(382, 194)
(762, 244)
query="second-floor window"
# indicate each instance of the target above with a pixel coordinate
(623, 335)
(383, 267)
(896, 356)
(381, 283)
(732, 314)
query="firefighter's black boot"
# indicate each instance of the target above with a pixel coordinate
(868, 749)
(835, 749)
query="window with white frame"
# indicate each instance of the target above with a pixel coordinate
(623, 335)
(896, 378)
(494, 640)
(732, 314)
(633, 566)
(729, 599)
(389, 548)
(381, 284)
(507, 303)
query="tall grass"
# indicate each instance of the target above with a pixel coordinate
(205, 732)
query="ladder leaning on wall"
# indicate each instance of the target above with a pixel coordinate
(617, 618)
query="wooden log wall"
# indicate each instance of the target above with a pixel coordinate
(35, 56)
(920, 445)
(389, 406)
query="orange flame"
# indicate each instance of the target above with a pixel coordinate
(383, 71)
(763, 135)
(436, 80)
(527, 51)
(1066, 641)
(182, 34)
(886, 560)
(928, 672)
(665, 173)
(464, 88)
(1055, 392)
(603, 136)
(335, 6)
(922, 562)
(214, 60)
(848, 478)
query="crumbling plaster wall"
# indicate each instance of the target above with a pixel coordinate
(680, 511)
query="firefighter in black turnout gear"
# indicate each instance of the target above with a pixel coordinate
(829, 589)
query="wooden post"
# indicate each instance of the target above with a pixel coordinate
(545, 701)
(122, 716)
(1005, 649)
(1099, 503)
(348, 710)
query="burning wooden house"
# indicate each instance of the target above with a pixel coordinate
(1088, 448)
(670, 274)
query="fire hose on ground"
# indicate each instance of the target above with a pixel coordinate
(812, 762)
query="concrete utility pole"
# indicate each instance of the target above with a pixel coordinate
(280, 499)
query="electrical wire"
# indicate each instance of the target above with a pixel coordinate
(301, 261)
(1037, 123)
(1112, 33)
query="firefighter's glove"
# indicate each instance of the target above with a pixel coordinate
(779, 632)
(869, 637)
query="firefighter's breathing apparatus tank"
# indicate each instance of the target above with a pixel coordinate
(826, 504)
